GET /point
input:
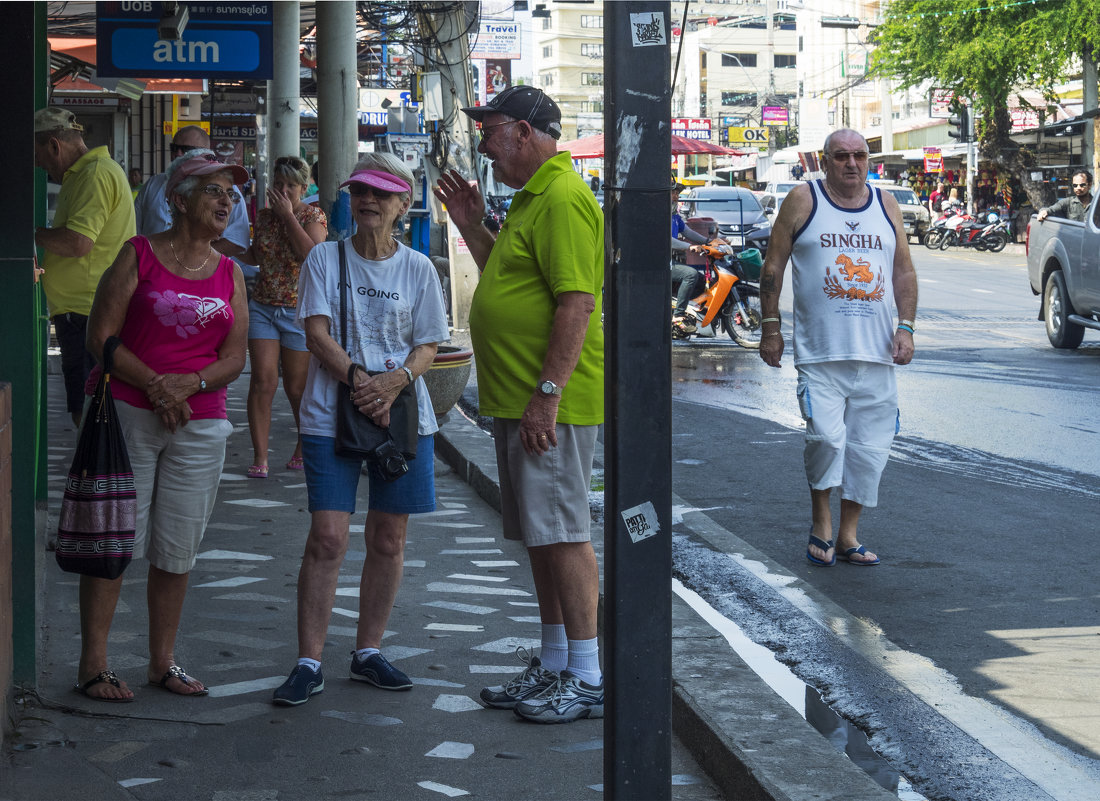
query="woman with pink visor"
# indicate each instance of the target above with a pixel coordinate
(395, 321)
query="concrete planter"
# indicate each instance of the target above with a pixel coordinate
(447, 377)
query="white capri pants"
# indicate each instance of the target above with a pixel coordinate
(851, 414)
(176, 479)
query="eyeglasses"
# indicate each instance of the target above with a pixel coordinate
(486, 130)
(294, 162)
(179, 150)
(842, 156)
(358, 190)
(215, 191)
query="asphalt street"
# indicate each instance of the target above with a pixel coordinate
(994, 475)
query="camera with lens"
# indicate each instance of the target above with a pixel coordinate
(389, 460)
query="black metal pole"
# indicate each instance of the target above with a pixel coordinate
(637, 433)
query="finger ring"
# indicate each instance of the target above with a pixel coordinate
(542, 436)
(162, 402)
(377, 400)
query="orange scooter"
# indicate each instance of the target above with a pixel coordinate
(729, 301)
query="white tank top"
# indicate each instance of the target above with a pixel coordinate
(843, 264)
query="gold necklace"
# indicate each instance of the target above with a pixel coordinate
(200, 268)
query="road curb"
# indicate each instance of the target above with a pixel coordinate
(751, 743)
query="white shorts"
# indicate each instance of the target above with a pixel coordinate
(544, 498)
(176, 479)
(851, 414)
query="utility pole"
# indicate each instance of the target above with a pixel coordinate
(638, 401)
(337, 103)
(449, 53)
(284, 89)
(1088, 103)
(971, 163)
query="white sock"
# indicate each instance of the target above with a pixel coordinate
(584, 661)
(312, 664)
(554, 653)
(363, 653)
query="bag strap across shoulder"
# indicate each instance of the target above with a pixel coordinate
(343, 296)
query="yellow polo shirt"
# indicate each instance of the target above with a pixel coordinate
(96, 201)
(551, 242)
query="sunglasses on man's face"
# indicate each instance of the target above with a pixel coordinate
(359, 190)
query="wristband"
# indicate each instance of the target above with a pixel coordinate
(770, 320)
(909, 323)
(771, 334)
(409, 373)
(904, 327)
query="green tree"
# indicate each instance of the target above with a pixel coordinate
(985, 50)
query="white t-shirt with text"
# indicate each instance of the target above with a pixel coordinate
(393, 306)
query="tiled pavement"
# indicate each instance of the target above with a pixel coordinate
(466, 603)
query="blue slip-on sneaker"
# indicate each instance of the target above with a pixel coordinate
(377, 671)
(299, 686)
(566, 700)
(529, 683)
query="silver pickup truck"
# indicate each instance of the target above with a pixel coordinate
(1063, 265)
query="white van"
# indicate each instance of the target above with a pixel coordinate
(913, 213)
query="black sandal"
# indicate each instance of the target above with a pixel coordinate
(105, 677)
(176, 672)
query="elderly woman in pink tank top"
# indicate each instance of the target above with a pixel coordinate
(180, 310)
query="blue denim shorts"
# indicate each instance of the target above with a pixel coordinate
(276, 322)
(332, 481)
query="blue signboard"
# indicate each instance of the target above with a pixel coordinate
(220, 41)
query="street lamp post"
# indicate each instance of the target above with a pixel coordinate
(846, 24)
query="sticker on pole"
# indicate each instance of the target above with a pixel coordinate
(641, 522)
(647, 30)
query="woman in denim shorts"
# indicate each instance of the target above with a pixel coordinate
(285, 233)
(395, 319)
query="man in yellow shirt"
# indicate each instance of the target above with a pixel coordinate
(94, 217)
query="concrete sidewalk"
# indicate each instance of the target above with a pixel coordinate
(466, 603)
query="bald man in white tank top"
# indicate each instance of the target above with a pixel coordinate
(851, 271)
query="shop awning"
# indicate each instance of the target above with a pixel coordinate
(73, 59)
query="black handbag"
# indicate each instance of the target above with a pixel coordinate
(95, 530)
(357, 436)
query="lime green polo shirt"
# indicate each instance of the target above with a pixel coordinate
(551, 242)
(96, 201)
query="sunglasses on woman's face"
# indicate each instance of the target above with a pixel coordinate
(358, 190)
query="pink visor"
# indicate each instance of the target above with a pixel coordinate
(203, 165)
(385, 181)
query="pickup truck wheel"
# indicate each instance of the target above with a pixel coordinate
(1056, 307)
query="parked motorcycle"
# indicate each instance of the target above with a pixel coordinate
(956, 227)
(729, 300)
(990, 234)
(938, 228)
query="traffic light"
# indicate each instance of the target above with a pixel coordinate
(959, 125)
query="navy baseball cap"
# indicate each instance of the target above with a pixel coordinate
(526, 103)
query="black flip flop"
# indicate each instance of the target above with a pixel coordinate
(176, 672)
(105, 677)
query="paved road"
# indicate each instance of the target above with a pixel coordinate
(982, 608)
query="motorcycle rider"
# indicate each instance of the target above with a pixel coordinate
(686, 280)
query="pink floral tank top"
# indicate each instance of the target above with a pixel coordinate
(177, 325)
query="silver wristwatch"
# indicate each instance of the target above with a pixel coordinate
(549, 388)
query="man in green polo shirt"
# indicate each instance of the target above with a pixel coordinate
(94, 217)
(538, 341)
